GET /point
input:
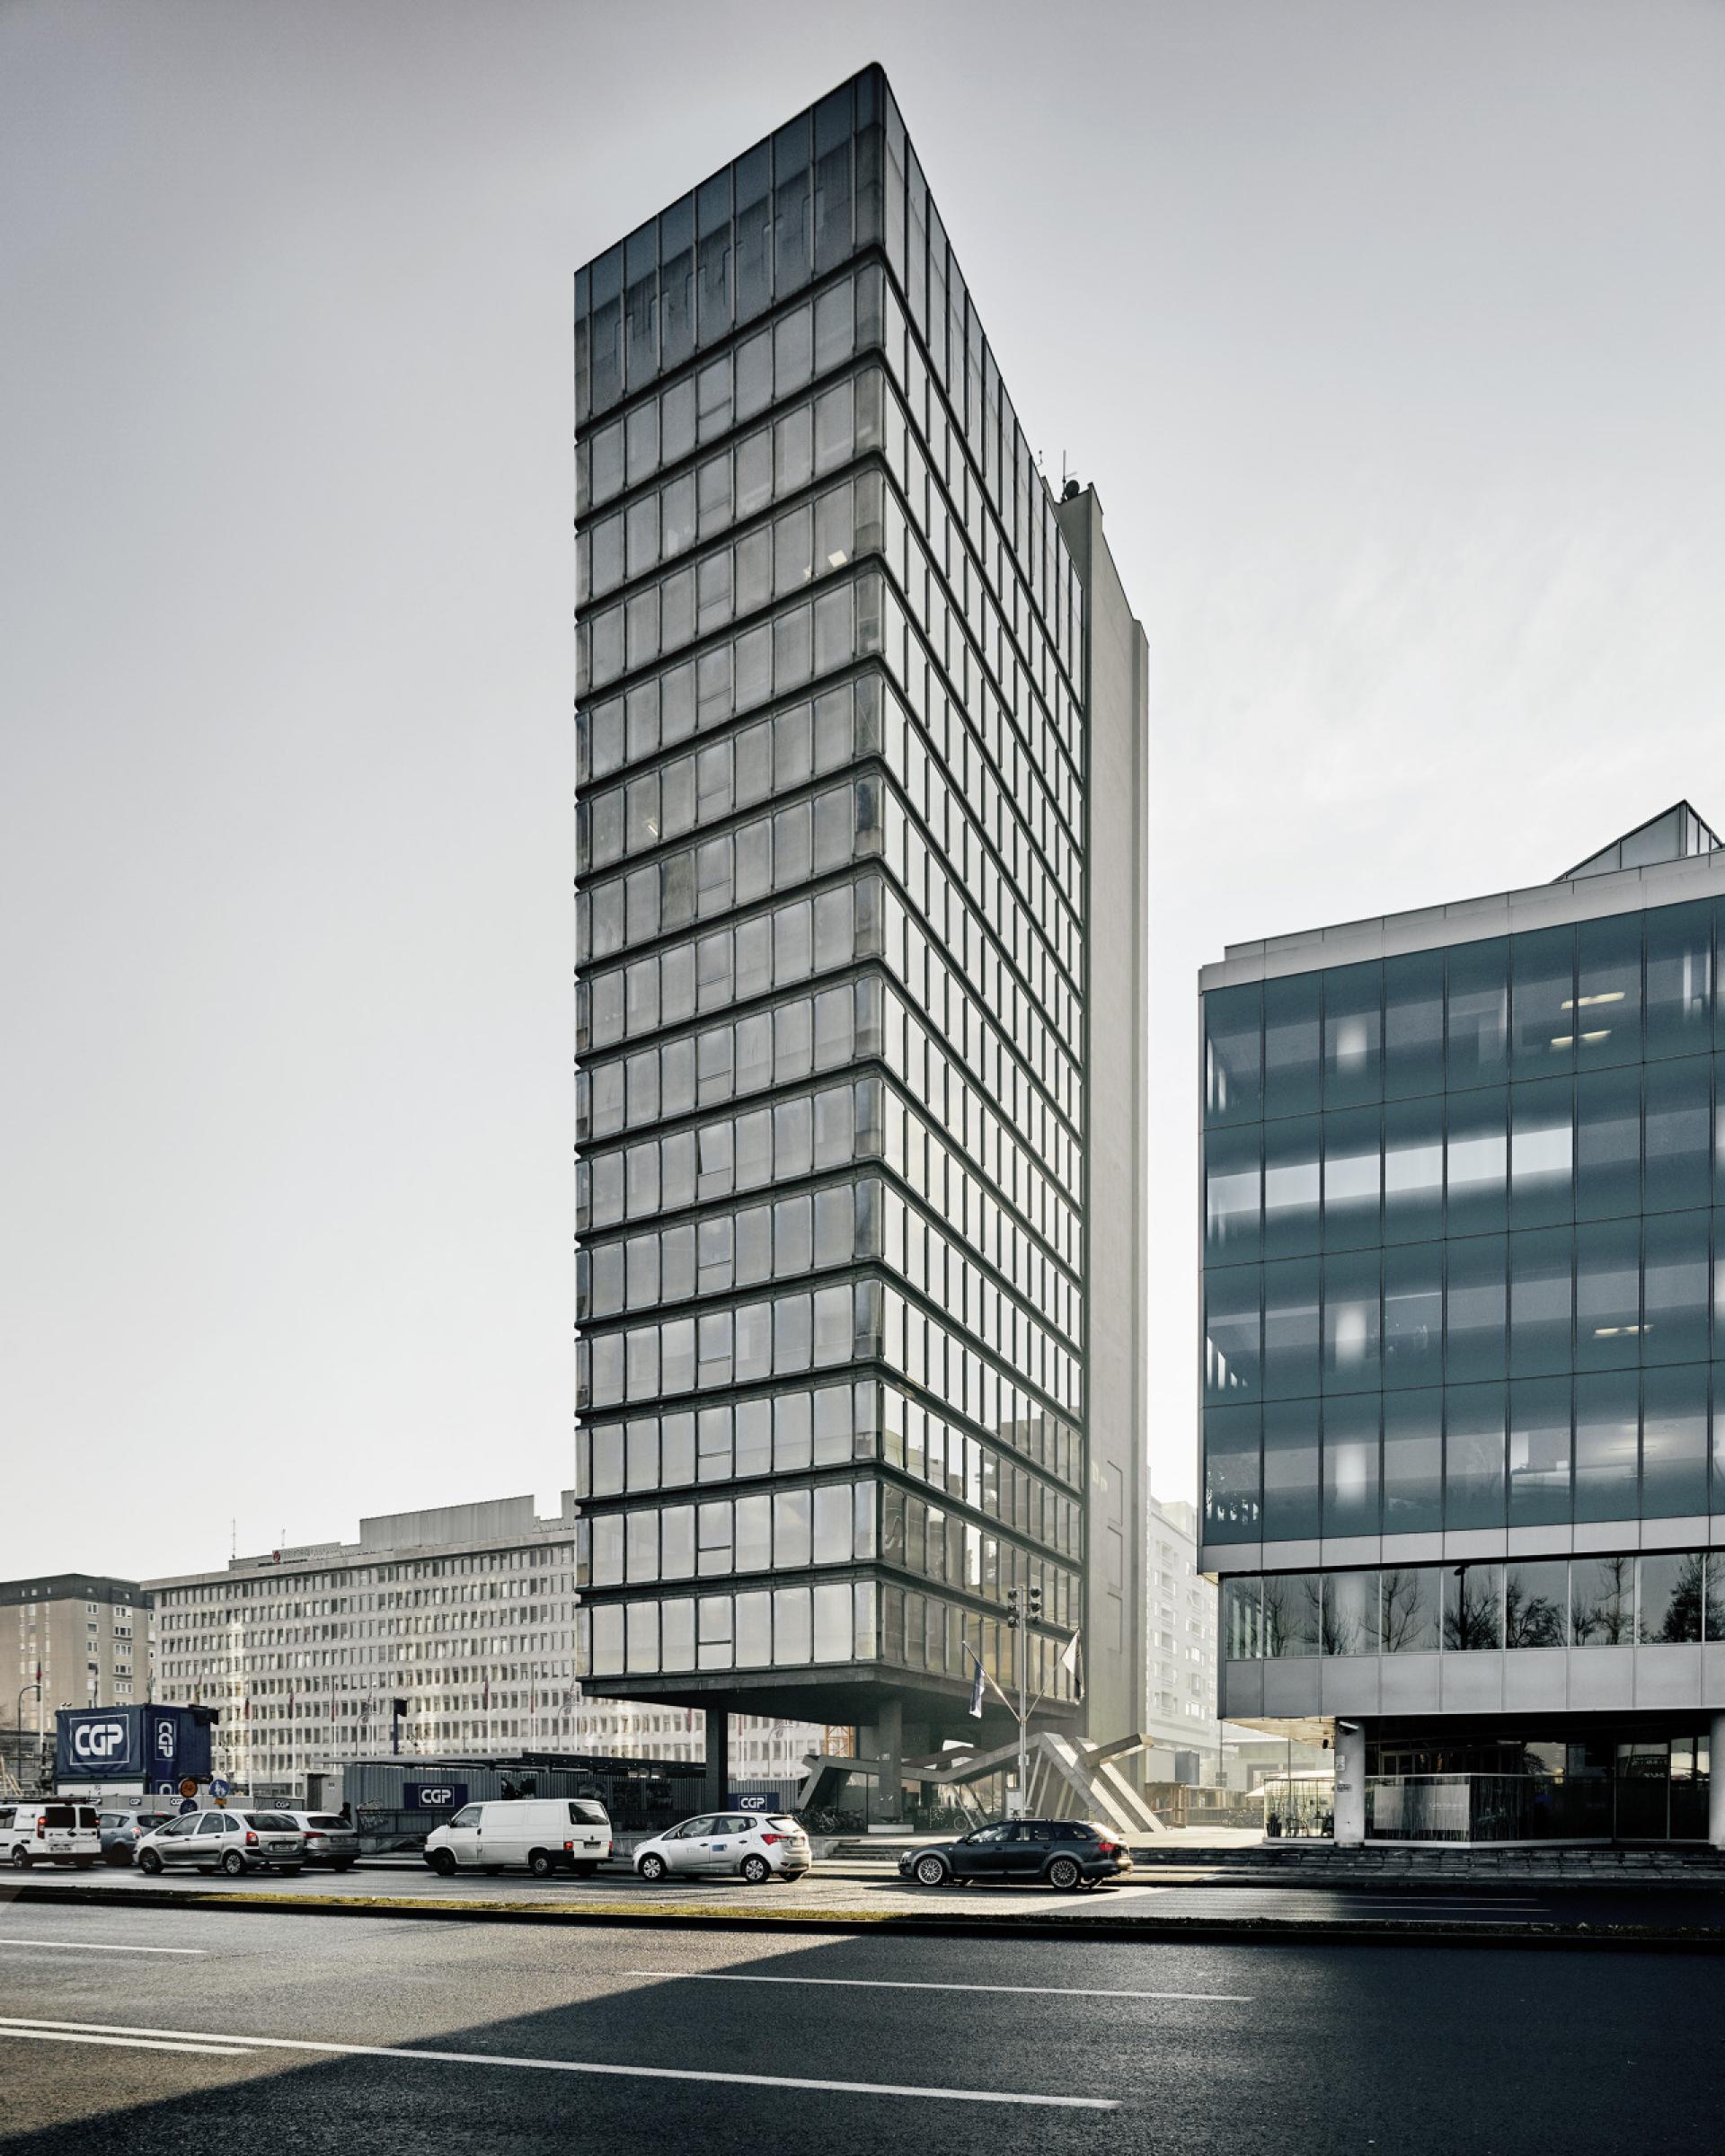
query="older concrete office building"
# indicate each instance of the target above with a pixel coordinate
(1465, 1340)
(860, 753)
(466, 1614)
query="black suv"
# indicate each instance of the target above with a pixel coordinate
(1062, 1853)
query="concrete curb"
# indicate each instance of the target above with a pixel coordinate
(699, 1917)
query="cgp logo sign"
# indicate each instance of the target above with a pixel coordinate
(98, 1747)
(166, 1738)
(101, 1742)
(433, 1796)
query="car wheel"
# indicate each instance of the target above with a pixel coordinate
(442, 1862)
(542, 1864)
(1064, 1875)
(652, 1868)
(932, 1871)
(21, 1859)
(234, 1864)
(149, 1863)
(757, 1870)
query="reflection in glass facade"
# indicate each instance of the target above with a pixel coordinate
(1462, 1228)
(1463, 1303)
(832, 766)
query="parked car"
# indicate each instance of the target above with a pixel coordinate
(41, 1832)
(1062, 1853)
(233, 1841)
(757, 1847)
(329, 1839)
(546, 1833)
(121, 1831)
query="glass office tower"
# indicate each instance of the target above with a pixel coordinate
(835, 755)
(1463, 1425)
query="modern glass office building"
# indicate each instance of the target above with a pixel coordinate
(1464, 1348)
(860, 745)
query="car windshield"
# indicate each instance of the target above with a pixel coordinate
(781, 1825)
(274, 1823)
(324, 1822)
(584, 1812)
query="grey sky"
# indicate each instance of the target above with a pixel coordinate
(1391, 333)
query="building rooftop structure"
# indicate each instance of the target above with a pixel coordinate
(1672, 857)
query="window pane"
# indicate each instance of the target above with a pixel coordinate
(1539, 1452)
(1232, 1336)
(1672, 1598)
(1472, 1608)
(1291, 1365)
(1607, 1015)
(1243, 1620)
(1234, 1054)
(1413, 1459)
(1231, 1474)
(1292, 1045)
(1350, 1614)
(1478, 1026)
(1543, 1004)
(1413, 1025)
(1474, 1456)
(1291, 1187)
(1410, 1611)
(1353, 1035)
(1674, 1441)
(1679, 979)
(1606, 1419)
(1602, 1601)
(1350, 1465)
(1291, 1614)
(1292, 1510)
(1537, 1604)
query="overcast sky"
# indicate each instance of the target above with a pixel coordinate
(1391, 334)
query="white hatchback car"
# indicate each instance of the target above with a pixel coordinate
(758, 1847)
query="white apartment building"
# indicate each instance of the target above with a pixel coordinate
(84, 1636)
(464, 1613)
(1180, 1634)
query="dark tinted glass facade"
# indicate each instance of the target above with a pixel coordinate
(1464, 1351)
(1461, 1237)
(831, 759)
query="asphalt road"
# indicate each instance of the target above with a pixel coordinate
(870, 1890)
(168, 2030)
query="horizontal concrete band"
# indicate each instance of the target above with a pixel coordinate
(1707, 1938)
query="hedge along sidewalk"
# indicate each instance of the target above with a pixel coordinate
(716, 1917)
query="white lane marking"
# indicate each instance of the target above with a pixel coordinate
(91, 1945)
(888, 1984)
(69, 2036)
(11, 2025)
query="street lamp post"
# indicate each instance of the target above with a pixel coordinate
(17, 1717)
(1023, 1608)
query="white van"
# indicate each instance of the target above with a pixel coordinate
(41, 1831)
(545, 1833)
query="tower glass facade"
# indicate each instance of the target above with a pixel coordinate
(1464, 1421)
(831, 745)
